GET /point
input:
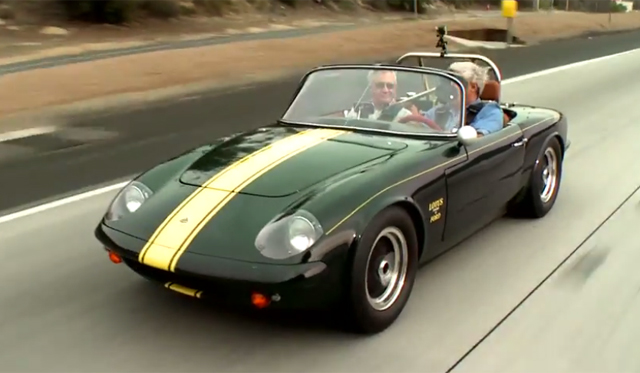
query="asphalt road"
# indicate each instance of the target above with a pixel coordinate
(69, 309)
(93, 150)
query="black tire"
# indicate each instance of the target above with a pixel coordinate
(362, 316)
(533, 204)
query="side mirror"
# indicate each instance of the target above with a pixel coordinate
(467, 135)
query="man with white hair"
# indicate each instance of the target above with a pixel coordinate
(383, 85)
(485, 116)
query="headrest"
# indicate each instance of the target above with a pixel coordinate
(491, 91)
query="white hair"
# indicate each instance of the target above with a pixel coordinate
(372, 74)
(472, 73)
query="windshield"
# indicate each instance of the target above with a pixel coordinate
(384, 99)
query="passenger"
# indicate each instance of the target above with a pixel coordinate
(383, 85)
(485, 116)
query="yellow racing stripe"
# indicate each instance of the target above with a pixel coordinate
(173, 236)
(193, 195)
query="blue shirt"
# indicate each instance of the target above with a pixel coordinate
(488, 120)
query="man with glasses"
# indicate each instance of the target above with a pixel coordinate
(383, 86)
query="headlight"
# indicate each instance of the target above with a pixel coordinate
(128, 200)
(289, 236)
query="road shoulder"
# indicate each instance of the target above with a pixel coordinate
(582, 318)
(189, 71)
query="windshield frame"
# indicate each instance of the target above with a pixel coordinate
(397, 68)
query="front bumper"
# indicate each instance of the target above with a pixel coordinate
(220, 280)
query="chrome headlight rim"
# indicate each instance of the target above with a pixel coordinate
(277, 239)
(312, 225)
(119, 207)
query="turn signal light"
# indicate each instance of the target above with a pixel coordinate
(260, 300)
(115, 258)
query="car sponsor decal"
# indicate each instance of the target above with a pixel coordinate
(173, 236)
(434, 209)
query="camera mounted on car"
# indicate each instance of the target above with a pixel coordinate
(441, 31)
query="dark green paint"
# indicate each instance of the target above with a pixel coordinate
(232, 232)
(164, 179)
(168, 193)
(302, 171)
(333, 179)
(327, 159)
(233, 150)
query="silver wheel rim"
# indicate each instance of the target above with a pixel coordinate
(549, 175)
(386, 269)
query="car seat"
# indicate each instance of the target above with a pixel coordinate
(491, 92)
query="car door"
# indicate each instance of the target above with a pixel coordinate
(478, 189)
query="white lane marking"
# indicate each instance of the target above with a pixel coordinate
(107, 189)
(62, 202)
(29, 132)
(554, 70)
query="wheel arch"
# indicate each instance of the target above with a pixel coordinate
(554, 135)
(418, 222)
(536, 153)
(411, 208)
(563, 148)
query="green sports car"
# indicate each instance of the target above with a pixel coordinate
(338, 202)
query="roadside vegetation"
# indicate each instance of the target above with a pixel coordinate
(125, 11)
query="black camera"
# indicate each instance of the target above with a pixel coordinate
(441, 31)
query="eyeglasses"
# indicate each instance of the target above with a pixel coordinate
(380, 85)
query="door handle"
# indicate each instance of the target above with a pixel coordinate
(519, 143)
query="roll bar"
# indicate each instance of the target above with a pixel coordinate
(441, 32)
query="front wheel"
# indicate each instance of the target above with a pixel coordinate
(383, 272)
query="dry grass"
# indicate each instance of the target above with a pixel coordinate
(71, 83)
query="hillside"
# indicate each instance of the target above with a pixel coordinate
(136, 11)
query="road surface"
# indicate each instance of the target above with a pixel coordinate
(66, 308)
(92, 150)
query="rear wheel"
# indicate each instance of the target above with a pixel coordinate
(383, 272)
(544, 183)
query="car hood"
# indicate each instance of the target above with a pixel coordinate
(289, 168)
(185, 214)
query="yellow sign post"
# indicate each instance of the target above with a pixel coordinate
(509, 8)
(509, 11)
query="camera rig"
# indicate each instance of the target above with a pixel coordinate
(441, 31)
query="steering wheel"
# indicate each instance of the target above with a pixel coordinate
(419, 118)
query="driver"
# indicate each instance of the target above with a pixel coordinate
(383, 85)
(485, 117)
(447, 113)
